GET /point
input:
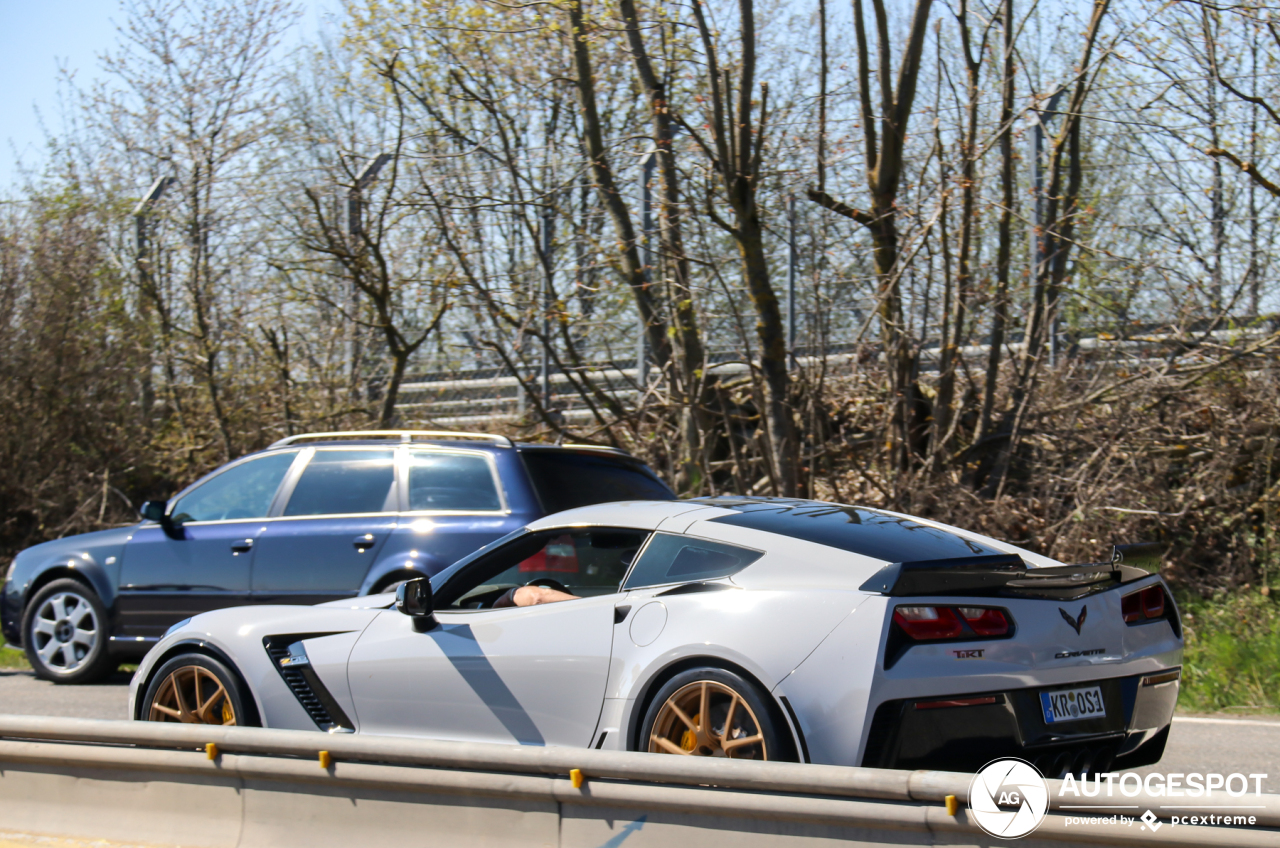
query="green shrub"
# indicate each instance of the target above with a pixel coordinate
(1232, 659)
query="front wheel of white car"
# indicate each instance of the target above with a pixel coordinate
(196, 689)
(711, 712)
(64, 634)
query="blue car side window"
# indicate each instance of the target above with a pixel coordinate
(242, 491)
(345, 482)
(451, 481)
(679, 559)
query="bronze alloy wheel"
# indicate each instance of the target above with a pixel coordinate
(707, 719)
(192, 695)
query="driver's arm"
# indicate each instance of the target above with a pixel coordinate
(531, 596)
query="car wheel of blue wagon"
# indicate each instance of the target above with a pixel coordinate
(64, 634)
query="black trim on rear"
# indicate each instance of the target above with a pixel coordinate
(961, 732)
(998, 576)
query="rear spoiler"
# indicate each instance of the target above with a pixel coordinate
(1009, 574)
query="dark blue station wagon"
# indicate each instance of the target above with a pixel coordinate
(313, 518)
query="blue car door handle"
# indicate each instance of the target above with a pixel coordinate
(241, 546)
(363, 542)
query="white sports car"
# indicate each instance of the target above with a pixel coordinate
(752, 628)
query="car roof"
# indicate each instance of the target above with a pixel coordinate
(872, 535)
(646, 515)
(446, 438)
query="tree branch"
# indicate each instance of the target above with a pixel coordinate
(828, 202)
(1248, 167)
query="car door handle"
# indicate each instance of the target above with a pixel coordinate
(242, 546)
(364, 542)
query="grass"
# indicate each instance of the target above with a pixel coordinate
(1232, 658)
(12, 657)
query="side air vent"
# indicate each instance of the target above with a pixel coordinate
(289, 656)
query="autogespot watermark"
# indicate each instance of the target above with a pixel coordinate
(1009, 798)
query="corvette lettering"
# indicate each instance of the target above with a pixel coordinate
(969, 654)
(1065, 655)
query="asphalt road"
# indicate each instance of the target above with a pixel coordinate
(1196, 744)
(22, 694)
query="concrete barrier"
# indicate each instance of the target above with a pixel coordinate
(190, 785)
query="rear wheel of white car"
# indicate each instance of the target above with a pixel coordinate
(195, 689)
(64, 634)
(711, 712)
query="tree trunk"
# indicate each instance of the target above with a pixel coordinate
(1004, 247)
(942, 411)
(884, 149)
(633, 270)
(738, 139)
(1057, 234)
(691, 364)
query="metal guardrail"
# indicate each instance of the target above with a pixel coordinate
(195, 785)
(471, 398)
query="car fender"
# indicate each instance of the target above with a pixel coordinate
(831, 710)
(766, 634)
(93, 558)
(237, 634)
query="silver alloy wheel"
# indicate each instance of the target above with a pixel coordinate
(65, 632)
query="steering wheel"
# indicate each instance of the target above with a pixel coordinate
(550, 583)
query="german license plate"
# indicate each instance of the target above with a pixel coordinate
(1072, 704)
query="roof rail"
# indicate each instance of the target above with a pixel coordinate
(404, 436)
(608, 448)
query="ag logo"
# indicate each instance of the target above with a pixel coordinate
(1008, 798)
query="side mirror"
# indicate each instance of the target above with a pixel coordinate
(413, 598)
(153, 511)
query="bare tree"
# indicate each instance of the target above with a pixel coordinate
(884, 159)
(191, 94)
(391, 259)
(736, 151)
(692, 358)
(1056, 239)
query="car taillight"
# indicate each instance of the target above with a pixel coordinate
(924, 623)
(930, 623)
(984, 621)
(1143, 605)
(1131, 607)
(1153, 602)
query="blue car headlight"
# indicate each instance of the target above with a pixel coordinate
(178, 626)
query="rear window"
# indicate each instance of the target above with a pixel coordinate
(679, 559)
(451, 481)
(861, 531)
(565, 479)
